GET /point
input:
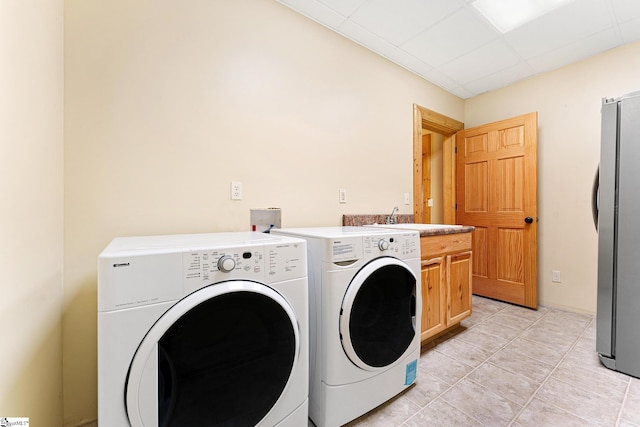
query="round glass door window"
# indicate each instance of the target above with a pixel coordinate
(378, 320)
(221, 359)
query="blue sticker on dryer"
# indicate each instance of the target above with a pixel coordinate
(410, 372)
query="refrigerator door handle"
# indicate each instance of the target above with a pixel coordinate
(595, 193)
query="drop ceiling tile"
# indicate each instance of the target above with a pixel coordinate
(344, 7)
(400, 20)
(482, 62)
(382, 47)
(574, 52)
(626, 10)
(440, 79)
(316, 11)
(630, 30)
(410, 62)
(499, 79)
(457, 35)
(448, 43)
(552, 31)
(463, 93)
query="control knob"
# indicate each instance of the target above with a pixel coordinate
(226, 264)
(383, 245)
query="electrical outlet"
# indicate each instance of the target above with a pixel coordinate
(236, 190)
(407, 199)
(555, 276)
(342, 195)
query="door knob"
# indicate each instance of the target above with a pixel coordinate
(528, 220)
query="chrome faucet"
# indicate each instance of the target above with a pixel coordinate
(391, 219)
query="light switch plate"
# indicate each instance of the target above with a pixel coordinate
(342, 195)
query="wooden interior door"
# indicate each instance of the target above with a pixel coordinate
(497, 193)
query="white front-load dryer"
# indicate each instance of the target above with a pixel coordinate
(203, 330)
(364, 306)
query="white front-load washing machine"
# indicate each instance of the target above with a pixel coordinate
(203, 330)
(364, 308)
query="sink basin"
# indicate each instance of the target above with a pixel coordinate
(419, 227)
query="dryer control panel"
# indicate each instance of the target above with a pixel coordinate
(264, 264)
(144, 270)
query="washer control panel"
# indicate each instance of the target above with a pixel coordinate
(352, 248)
(226, 263)
(383, 244)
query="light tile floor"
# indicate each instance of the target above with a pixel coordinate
(512, 366)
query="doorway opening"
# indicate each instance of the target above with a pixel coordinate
(434, 136)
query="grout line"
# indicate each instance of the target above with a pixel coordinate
(474, 368)
(439, 395)
(517, 373)
(555, 367)
(544, 381)
(624, 402)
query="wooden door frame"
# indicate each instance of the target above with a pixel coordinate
(424, 118)
(426, 176)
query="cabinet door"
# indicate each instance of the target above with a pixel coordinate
(459, 287)
(433, 297)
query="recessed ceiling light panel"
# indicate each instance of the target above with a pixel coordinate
(511, 14)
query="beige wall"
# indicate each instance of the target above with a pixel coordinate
(168, 102)
(31, 233)
(568, 104)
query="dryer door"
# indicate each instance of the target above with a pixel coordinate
(378, 316)
(221, 356)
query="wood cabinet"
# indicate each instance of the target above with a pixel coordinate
(446, 281)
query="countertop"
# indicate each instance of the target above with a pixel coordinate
(405, 222)
(368, 219)
(427, 230)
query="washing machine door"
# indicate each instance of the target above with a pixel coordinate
(221, 356)
(378, 315)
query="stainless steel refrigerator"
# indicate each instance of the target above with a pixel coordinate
(617, 208)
